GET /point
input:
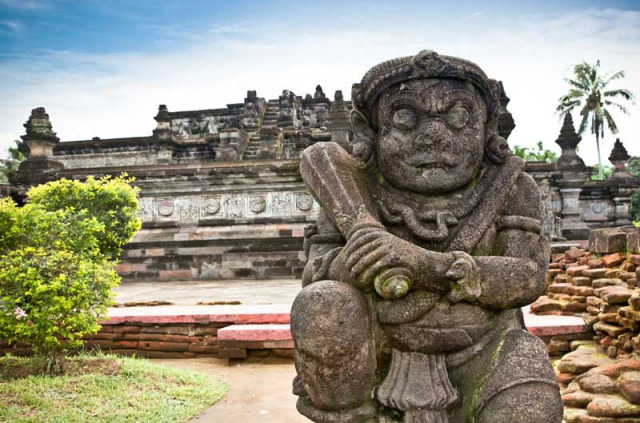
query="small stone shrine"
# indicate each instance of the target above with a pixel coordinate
(427, 242)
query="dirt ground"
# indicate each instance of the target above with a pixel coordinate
(259, 392)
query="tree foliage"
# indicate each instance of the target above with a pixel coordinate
(111, 201)
(56, 260)
(600, 173)
(590, 93)
(11, 164)
(531, 155)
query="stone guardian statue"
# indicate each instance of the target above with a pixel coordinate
(427, 244)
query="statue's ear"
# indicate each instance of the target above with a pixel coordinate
(363, 142)
(360, 125)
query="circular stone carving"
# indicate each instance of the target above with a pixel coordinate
(304, 202)
(597, 208)
(165, 207)
(257, 204)
(212, 206)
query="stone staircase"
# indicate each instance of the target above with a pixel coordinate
(268, 125)
(251, 150)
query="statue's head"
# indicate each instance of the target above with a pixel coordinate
(427, 122)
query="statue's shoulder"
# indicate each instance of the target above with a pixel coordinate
(524, 198)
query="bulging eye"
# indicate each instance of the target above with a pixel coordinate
(458, 116)
(404, 119)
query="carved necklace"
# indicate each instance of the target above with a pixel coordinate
(419, 215)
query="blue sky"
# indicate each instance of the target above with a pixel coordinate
(102, 67)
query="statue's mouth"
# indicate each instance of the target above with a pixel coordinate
(443, 161)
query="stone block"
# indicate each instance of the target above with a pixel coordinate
(633, 241)
(607, 241)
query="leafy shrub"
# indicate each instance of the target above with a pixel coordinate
(56, 260)
(112, 201)
(51, 298)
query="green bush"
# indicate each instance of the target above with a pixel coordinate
(51, 298)
(56, 260)
(112, 201)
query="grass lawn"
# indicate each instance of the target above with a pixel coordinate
(103, 388)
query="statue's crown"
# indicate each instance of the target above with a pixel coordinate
(426, 64)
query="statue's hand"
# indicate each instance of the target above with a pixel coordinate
(464, 271)
(376, 257)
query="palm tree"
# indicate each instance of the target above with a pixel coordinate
(589, 93)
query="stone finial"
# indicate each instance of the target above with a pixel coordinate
(163, 114)
(618, 158)
(619, 154)
(338, 122)
(252, 96)
(319, 94)
(39, 127)
(41, 140)
(506, 124)
(568, 140)
(163, 129)
(40, 137)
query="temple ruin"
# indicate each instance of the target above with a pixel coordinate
(222, 196)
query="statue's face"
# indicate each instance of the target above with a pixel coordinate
(431, 135)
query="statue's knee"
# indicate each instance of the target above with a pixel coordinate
(527, 403)
(330, 318)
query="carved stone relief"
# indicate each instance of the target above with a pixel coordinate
(232, 205)
(211, 206)
(235, 206)
(304, 202)
(257, 204)
(281, 204)
(165, 207)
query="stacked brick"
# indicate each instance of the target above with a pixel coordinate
(171, 340)
(602, 288)
(570, 279)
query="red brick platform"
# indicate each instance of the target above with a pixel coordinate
(241, 331)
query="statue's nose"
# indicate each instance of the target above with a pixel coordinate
(432, 134)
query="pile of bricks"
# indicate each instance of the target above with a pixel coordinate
(600, 286)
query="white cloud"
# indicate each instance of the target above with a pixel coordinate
(26, 4)
(114, 95)
(14, 26)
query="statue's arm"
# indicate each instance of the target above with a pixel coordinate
(515, 275)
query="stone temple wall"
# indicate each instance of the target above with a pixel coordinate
(222, 197)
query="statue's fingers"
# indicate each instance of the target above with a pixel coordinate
(374, 270)
(361, 252)
(367, 261)
(366, 238)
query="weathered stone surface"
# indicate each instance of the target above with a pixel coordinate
(586, 357)
(423, 268)
(598, 383)
(612, 407)
(607, 241)
(629, 384)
